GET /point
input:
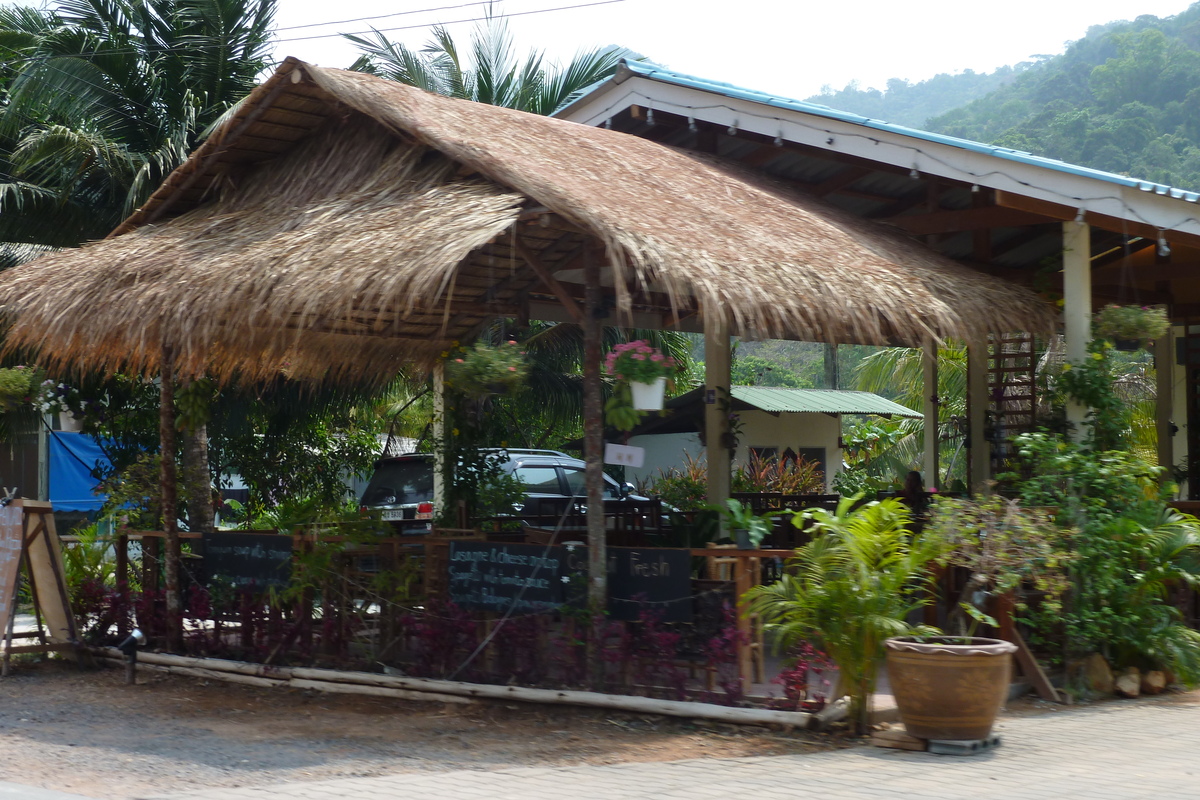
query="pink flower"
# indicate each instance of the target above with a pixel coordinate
(656, 357)
(512, 369)
(458, 361)
(638, 357)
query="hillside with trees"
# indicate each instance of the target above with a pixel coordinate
(1125, 98)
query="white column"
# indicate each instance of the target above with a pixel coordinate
(1077, 306)
(979, 465)
(716, 405)
(929, 362)
(439, 438)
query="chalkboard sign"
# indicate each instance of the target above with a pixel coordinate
(249, 560)
(490, 576)
(11, 546)
(652, 580)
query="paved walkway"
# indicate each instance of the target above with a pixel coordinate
(1118, 751)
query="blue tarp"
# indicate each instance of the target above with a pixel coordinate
(72, 457)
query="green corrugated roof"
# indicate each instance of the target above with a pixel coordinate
(825, 401)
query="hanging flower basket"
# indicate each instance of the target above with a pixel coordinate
(648, 396)
(644, 368)
(484, 369)
(1130, 323)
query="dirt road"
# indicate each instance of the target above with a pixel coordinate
(88, 733)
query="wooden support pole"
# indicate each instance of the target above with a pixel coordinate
(717, 400)
(931, 402)
(593, 431)
(439, 439)
(979, 460)
(168, 487)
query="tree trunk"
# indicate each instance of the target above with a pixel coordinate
(197, 479)
(166, 436)
(593, 431)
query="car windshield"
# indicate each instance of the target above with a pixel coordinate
(400, 482)
(577, 483)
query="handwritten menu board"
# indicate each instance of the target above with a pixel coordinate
(249, 560)
(11, 533)
(488, 576)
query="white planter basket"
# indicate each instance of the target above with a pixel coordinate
(648, 396)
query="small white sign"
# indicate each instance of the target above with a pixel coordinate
(624, 455)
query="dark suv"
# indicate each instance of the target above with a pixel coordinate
(402, 486)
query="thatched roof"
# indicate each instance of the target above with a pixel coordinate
(340, 224)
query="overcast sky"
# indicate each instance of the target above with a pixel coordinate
(787, 47)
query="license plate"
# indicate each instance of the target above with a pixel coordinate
(393, 514)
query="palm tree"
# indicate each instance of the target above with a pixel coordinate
(490, 72)
(104, 98)
(898, 371)
(108, 96)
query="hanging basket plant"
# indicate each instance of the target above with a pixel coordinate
(644, 369)
(1130, 323)
(483, 369)
(19, 385)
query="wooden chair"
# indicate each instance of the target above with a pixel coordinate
(725, 568)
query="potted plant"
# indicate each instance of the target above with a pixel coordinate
(850, 589)
(644, 368)
(1129, 327)
(484, 369)
(952, 687)
(747, 528)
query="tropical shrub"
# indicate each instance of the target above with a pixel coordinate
(851, 588)
(485, 368)
(1130, 322)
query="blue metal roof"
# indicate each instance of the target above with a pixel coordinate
(653, 71)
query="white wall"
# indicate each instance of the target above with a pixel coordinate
(759, 429)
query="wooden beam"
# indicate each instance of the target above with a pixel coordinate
(1118, 254)
(969, 219)
(839, 181)
(545, 276)
(1110, 223)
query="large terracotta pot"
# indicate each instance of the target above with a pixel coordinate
(949, 687)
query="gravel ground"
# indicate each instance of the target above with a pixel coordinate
(88, 733)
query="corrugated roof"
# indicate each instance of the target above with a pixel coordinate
(823, 401)
(652, 71)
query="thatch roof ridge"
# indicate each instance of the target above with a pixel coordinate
(622, 188)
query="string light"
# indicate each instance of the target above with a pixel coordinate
(1164, 249)
(974, 188)
(914, 174)
(649, 116)
(608, 123)
(779, 139)
(692, 126)
(1080, 216)
(1132, 213)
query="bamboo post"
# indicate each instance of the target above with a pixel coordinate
(593, 427)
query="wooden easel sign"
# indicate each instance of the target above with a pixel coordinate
(28, 538)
